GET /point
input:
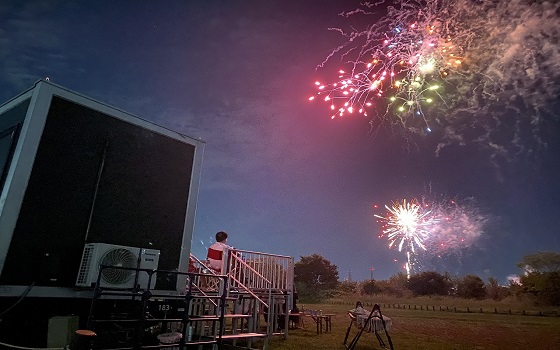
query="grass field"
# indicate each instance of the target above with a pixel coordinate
(431, 330)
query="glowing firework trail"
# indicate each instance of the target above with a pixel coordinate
(406, 224)
(439, 64)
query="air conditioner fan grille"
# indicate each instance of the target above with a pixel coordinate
(121, 258)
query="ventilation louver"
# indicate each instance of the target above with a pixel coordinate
(97, 254)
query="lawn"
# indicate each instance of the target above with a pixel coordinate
(434, 329)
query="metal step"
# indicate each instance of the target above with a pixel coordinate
(244, 335)
(237, 316)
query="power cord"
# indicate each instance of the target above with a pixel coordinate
(23, 295)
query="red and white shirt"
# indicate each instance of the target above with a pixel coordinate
(216, 255)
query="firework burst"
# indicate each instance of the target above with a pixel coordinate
(440, 65)
(406, 225)
(435, 229)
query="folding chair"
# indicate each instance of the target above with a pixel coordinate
(374, 322)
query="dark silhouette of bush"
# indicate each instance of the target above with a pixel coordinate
(429, 283)
(471, 287)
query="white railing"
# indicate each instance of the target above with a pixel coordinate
(261, 270)
(267, 278)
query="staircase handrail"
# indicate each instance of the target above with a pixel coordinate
(279, 263)
(261, 253)
(242, 262)
(240, 283)
(207, 272)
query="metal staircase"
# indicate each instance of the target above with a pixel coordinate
(263, 285)
(236, 307)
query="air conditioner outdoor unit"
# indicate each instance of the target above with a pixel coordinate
(97, 254)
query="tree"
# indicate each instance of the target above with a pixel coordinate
(471, 287)
(348, 287)
(371, 287)
(495, 291)
(398, 284)
(542, 277)
(316, 272)
(545, 287)
(429, 283)
(540, 262)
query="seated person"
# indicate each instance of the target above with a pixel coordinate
(359, 310)
(294, 316)
(362, 315)
(215, 254)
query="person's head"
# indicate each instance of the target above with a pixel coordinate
(358, 304)
(221, 236)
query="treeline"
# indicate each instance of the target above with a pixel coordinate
(430, 283)
(316, 279)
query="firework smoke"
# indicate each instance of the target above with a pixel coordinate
(460, 225)
(439, 66)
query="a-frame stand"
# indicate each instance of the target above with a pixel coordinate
(375, 313)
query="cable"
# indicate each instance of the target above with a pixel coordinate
(23, 295)
(26, 348)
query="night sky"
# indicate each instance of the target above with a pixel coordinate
(278, 174)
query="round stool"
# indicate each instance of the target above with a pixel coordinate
(82, 339)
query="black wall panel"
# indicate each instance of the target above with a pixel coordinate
(100, 179)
